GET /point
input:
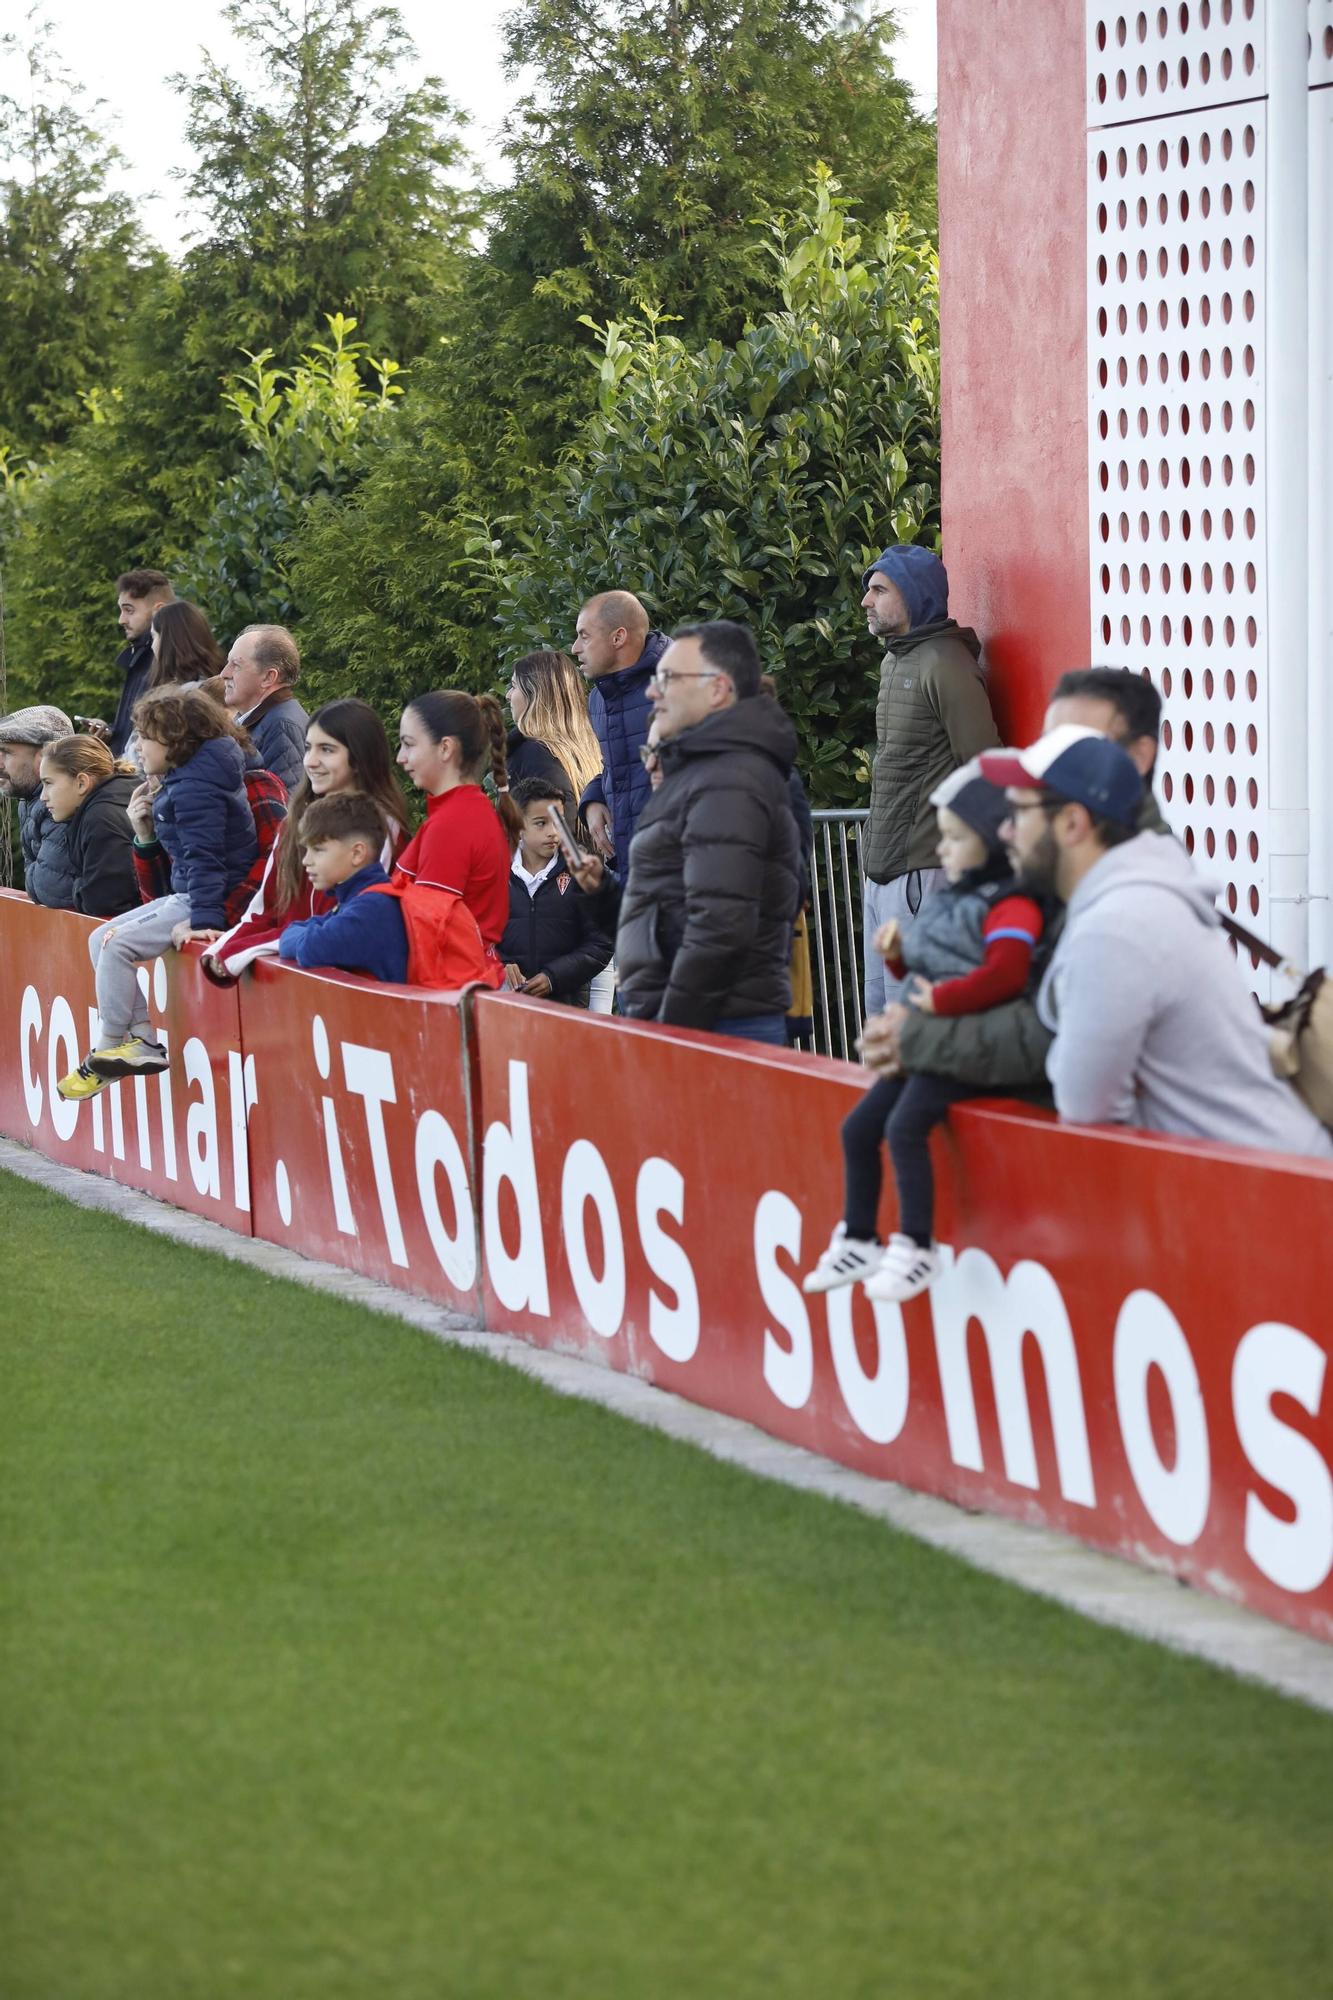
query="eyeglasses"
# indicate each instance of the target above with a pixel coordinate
(1035, 805)
(648, 753)
(664, 677)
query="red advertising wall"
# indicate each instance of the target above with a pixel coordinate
(1124, 1344)
(1013, 342)
(1130, 1340)
(359, 1133)
(180, 1135)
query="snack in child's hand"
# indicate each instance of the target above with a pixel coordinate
(888, 938)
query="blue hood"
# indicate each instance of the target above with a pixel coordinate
(921, 579)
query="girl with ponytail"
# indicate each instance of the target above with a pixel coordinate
(88, 792)
(446, 742)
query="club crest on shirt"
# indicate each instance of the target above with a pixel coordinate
(562, 882)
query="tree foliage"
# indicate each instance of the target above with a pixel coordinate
(72, 256)
(299, 427)
(326, 183)
(754, 481)
(656, 132)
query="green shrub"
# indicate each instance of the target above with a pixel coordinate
(754, 481)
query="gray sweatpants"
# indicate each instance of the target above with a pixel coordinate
(115, 949)
(901, 898)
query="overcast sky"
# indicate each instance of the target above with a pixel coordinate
(124, 55)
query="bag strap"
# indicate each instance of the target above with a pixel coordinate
(1262, 951)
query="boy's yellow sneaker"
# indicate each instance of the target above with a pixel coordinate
(81, 1082)
(132, 1058)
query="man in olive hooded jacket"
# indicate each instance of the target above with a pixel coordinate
(933, 716)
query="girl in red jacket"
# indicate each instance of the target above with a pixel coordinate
(445, 742)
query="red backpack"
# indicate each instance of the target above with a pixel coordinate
(444, 946)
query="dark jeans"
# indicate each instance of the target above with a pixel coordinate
(904, 1110)
(756, 1028)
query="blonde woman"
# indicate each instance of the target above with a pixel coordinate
(552, 738)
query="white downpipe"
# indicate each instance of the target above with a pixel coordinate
(1320, 125)
(1287, 509)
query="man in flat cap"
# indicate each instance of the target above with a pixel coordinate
(47, 875)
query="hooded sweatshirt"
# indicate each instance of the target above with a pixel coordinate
(933, 714)
(1153, 1024)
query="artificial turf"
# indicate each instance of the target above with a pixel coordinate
(338, 1665)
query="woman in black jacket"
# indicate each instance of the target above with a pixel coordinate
(88, 791)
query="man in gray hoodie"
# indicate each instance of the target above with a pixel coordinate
(1152, 1021)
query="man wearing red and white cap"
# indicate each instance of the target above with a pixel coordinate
(1152, 1021)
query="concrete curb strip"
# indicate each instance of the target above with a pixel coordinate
(1101, 1587)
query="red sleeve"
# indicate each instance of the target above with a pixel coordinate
(1011, 932)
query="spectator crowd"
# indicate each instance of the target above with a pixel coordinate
(636, 835)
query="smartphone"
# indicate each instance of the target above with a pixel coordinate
(569, 847)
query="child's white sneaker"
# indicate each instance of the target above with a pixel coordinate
(905, 1270)
(846, 1259)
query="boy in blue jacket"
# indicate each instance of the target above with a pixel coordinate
(342, 836)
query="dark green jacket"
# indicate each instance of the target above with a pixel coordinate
(933, 714)
(1005, 1047)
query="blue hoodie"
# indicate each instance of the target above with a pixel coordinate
(921, 579)
(202, 817)
(365, 934)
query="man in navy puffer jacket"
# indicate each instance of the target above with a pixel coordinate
(618, 654)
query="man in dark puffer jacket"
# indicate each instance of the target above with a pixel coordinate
(704, 938)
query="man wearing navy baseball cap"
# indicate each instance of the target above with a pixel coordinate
(932, 717)
(1152, 1021)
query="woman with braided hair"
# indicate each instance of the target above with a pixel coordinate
(447, 740)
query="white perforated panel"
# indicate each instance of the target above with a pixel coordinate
(1177, 406)
(1147, 60)
(1321, 42)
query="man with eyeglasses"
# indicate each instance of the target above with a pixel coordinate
(713, 887)
(1152, 1021)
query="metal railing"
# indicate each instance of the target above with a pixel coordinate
(836, 898)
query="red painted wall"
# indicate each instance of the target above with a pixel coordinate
(1102, 1353)
(1013, 287)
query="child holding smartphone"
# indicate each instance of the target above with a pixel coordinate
(552, 945)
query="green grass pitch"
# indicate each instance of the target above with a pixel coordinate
(338, 1665)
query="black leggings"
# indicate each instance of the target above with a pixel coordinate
(904, 1110)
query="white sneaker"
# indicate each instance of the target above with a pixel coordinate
(846, 1259)
(905, 1270)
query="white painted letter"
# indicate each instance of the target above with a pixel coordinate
(585, 1179)
(369, 1076)
(201, 1123)
(436, 1146)
(1148, 1335)
(1271, 1359)
(1029, 1303)
(30, 1028)
(660, 1190)
(506, 1155)
(60, 1031)
(788, 1371)
(876, 1404)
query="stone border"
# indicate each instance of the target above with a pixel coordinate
(1102, 1587)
